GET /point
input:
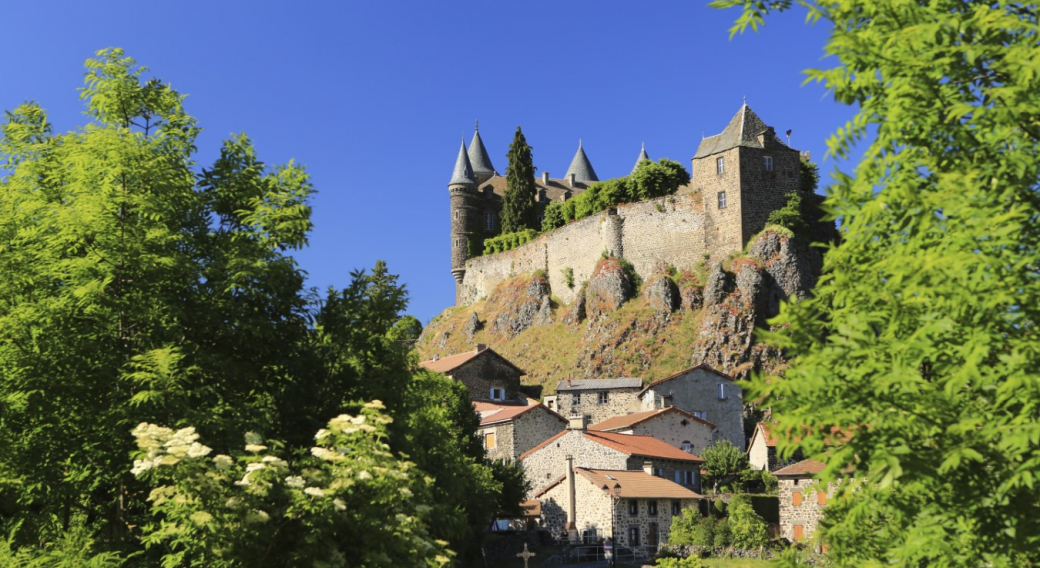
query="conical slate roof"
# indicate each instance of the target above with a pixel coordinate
(642, 156)
(743, 130)
(478, 156)
(581, 168)
(463, 170)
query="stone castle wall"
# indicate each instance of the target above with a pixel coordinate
(651, 234)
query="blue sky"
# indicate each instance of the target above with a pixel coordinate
(373, 97)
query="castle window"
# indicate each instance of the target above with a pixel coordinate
(603, 397)
(769, 163)
(456, 214)
(489, 221)
(722, 200)
(720, 165)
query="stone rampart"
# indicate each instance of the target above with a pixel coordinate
(650, 234)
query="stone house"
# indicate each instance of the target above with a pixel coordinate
(598, 399)
(802, 502)
(705, 393)
(510, 429)
(487, 375)
(547, 461)
(671, 425)
(762, 450)
(632, 508)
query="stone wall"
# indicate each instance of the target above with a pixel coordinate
(808, 514)
(650, 234)
(722, 231)
(642, 520)
(534, 427)
(483, 373)
(669, 429)
(547, 464)
(505, 446)
(619, 402)
(764, 191)
(697, 391)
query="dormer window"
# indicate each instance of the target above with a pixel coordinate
(720, 165)
(498, 393)
(768, 163)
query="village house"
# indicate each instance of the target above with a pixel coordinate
(762, 450)
(705, 393)
(510, 429)
(580, 447)
(581, 504)
(801, 501)
(597, 399)
(671, 425)
(487, 375)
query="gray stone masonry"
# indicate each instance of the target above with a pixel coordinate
(589, 403)
(516, 436)
(549, 462)
(483, 373)
(808, 513)
(697, 391)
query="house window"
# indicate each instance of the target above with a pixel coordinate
(722, 391)
(575, 399)
(796, 499)
(651, 534)
(821, 498)
(768, 163)
(722, 200)
(651, 508)
(489, 221)
(603, 397)
(588, 419)
(685, 477)
(687, 446)
(633, 507)
(668, 400)
(489, 441)
(633, 536)
(720, 165)
(498, 393)
(588, 536)
(700, 414)
(676, 507)
(799, 533)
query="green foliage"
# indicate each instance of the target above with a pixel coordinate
(747, 528)
(406, 330)
(553, 217)
(508, 241)
(791, 215)
(656, 179)
(519, 211)
(73, 549)
(691, 528)
(688, 562)
(724, 463)
(722, 535)
(810, 177)
(568, 276)
(921, 339)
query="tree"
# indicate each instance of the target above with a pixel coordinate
(748, 529)
(724, 462)
(518, 207)
(657, 179)
(921, 341)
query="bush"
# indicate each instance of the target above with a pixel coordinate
(553, 217)
(747, 529)
(723, 533)
(688, 562)
(508, 241)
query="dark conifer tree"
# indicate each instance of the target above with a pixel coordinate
(518, 207)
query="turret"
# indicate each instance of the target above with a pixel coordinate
(462, 190)
(581, 169)
(478, 158)
(643, 156)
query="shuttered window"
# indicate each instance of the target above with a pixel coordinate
(796, 498)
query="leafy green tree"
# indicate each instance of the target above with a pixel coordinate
(553, 217)
(791, 215)
(724, 463)
(921, 340)
(747, 528)
(692, 528)
(519, 210)
(657, 179)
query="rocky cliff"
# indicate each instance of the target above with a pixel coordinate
(624, 324)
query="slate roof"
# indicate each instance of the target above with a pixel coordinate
(703, 366)
(495, 413)
(555, 190)
(581, 167)
(478, 156)
(743, 130)
(637, 484)
(630, 420)
(801, 469)
(642, 156)
(451, 362)
(463, 173)
(598, 384)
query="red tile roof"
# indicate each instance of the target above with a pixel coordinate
(802, 468)
(451, 362)
(493, 413)
(703, 366)
(637, 484)
(636, 445)
(767, 434)
(629, 420)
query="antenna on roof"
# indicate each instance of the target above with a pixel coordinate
(476, 125)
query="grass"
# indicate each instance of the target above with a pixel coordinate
(739, 563)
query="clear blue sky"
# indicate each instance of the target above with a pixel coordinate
(373, 97)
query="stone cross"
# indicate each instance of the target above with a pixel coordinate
(526, 554)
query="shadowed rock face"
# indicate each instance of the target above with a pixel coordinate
(522, 311)
(717, 287)
(576, 313)
(661, 294)
(610, 286)
(793, 269)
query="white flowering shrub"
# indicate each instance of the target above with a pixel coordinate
(254, 508)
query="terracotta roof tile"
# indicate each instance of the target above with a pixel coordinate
(493, 413)
(629, 420)
(446, 364)
(637, 484)
(636, 445)
(802, 468)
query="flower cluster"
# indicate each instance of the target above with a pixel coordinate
(164, 446)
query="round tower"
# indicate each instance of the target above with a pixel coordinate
(462, 190)
(479, 159)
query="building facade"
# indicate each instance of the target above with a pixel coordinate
(509, 430)
(705, 393)
(671, 425)
(487, 375)
(598, 399)
(802, 501)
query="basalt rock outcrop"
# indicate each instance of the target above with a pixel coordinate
(611, 285)
(661, 294)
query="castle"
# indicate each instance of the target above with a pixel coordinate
(738, 177)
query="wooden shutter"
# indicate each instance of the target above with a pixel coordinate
(799, 533)
(489, 440)
(821, 498)
(796, 498)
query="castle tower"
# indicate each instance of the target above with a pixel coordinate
(581, 169)
(465, 212)
(478, 158)
(742, 174)
(643, 156)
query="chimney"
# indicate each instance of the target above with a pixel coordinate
(577, 423)
(570, 180)
(648, 467)
(436, 357)
(480, 347)
(545, 178)
(568, 382)
(572, 527)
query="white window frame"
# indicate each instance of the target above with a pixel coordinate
(700, 414)
(722, 200)
(575, 399)
(720, 165)
(722, 391)
(602, 397)
(687, 446)
(768, 163)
